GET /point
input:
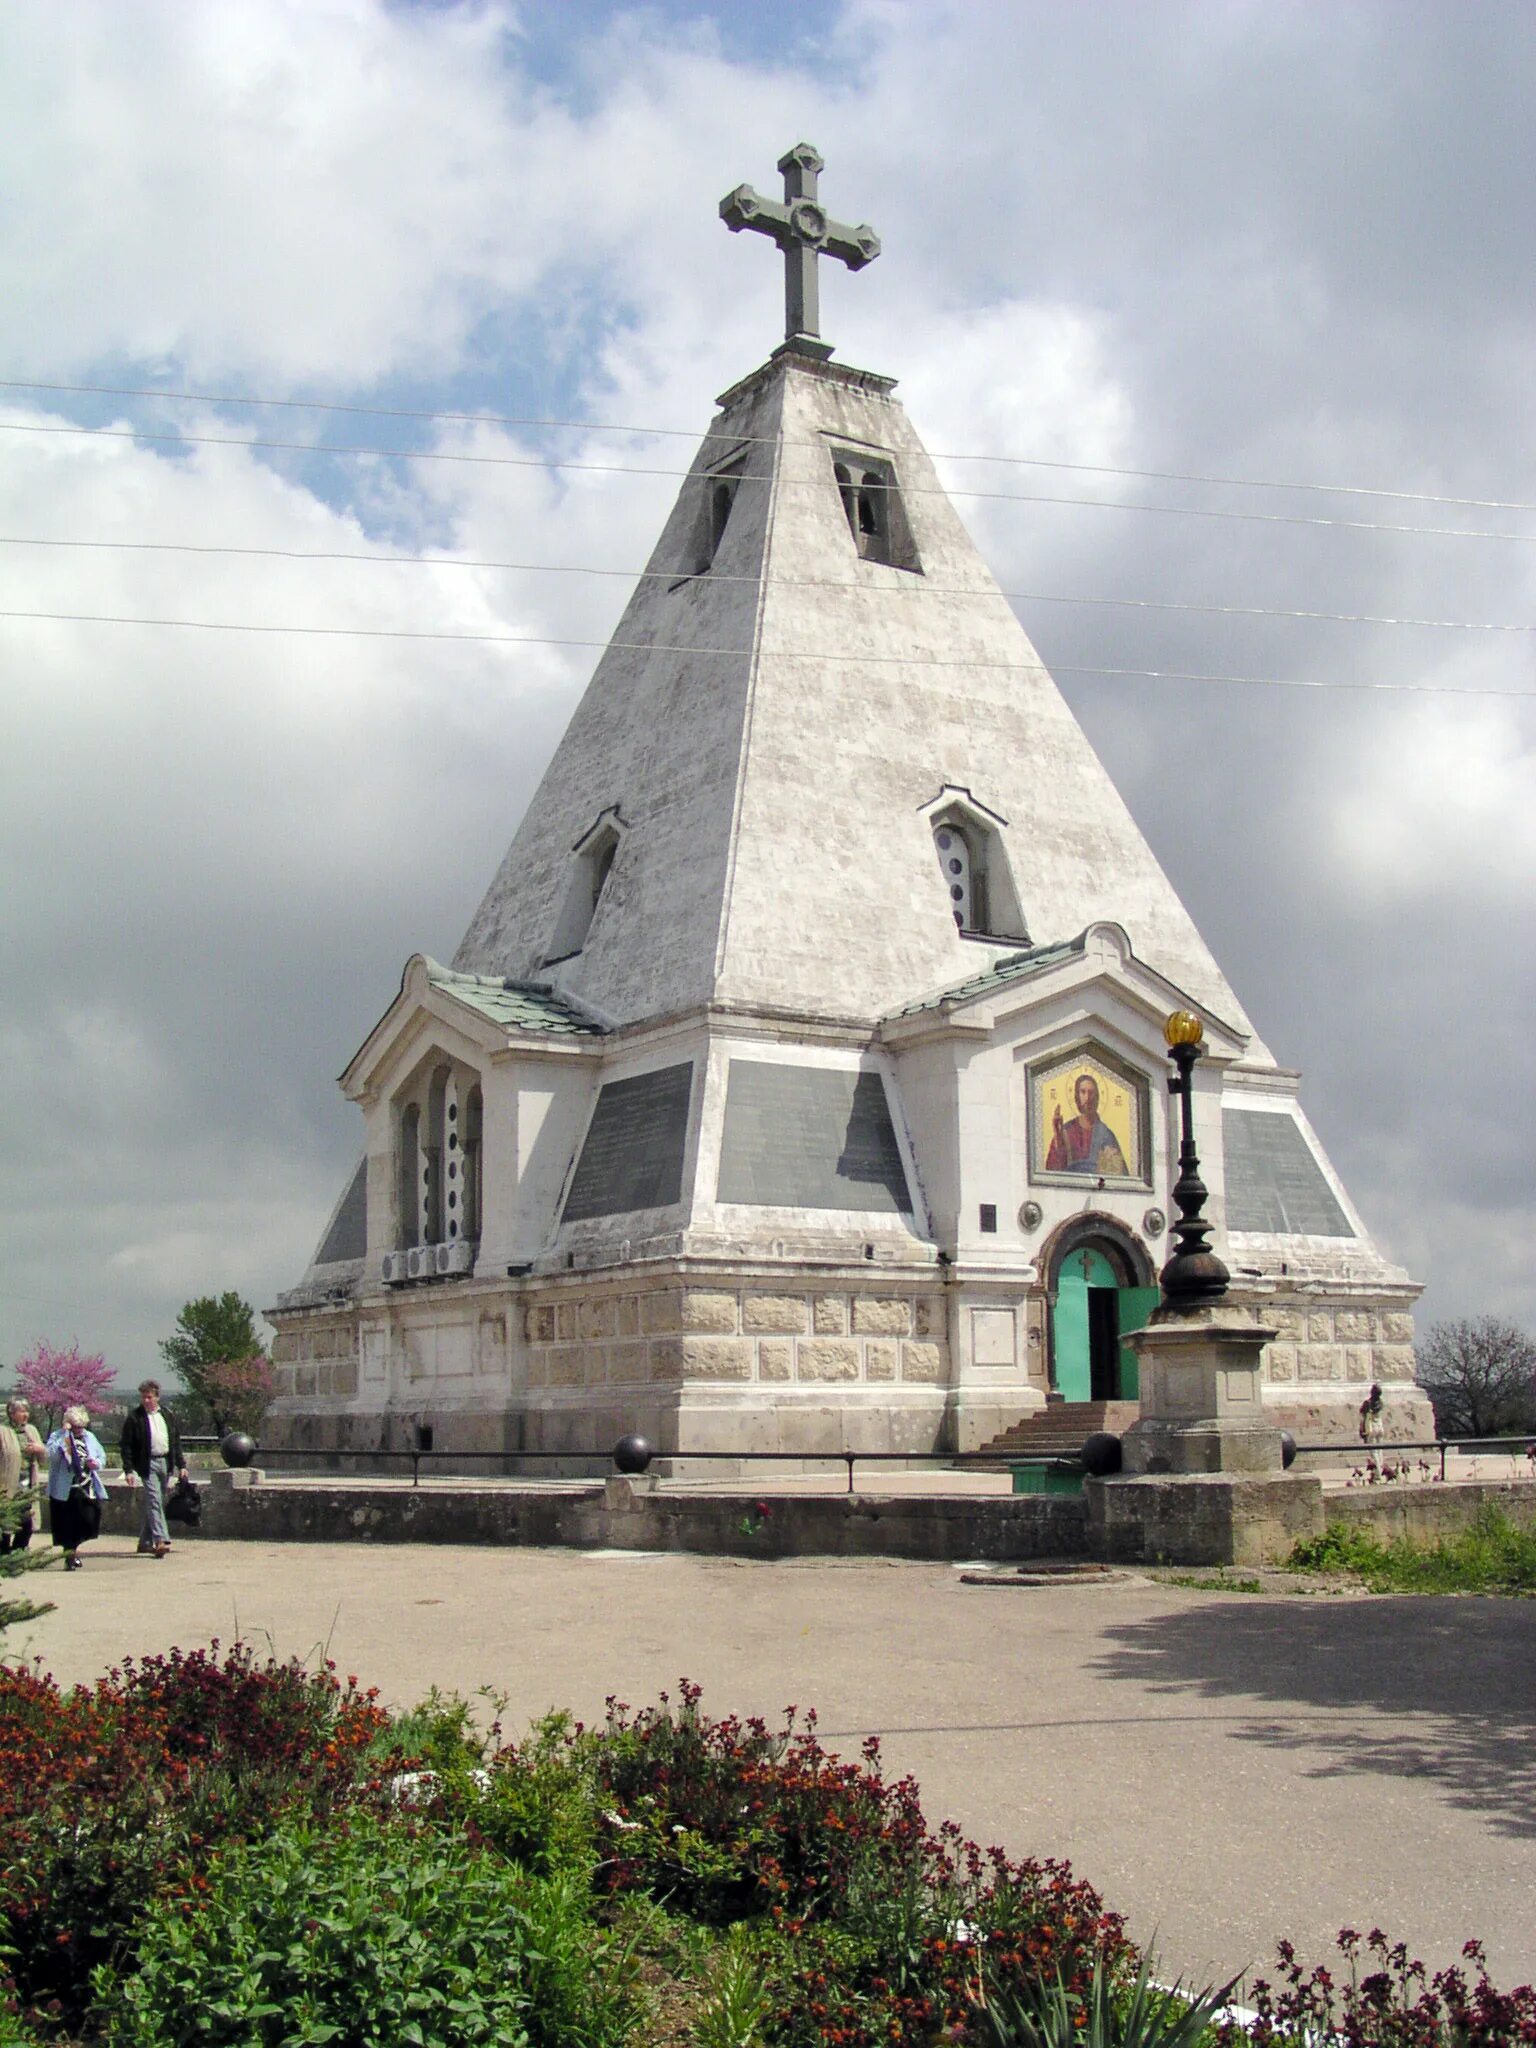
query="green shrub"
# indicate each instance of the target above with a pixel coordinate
(1138, 2014)
(1340, 1548)
(376, 1933)
(1495, 1555)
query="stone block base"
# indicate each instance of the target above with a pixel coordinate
(1156, 1447)
(1202, 1519)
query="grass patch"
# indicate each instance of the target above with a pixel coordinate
(1214, 1582)
(1495, 1555)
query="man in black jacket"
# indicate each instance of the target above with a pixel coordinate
(151, 1450)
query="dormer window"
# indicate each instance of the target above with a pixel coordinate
(973, 862)
(873, 508)
(592, 860)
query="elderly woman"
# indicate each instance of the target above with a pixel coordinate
(21, 1456)
(76, 1489)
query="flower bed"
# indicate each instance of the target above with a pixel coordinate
(208, 1848)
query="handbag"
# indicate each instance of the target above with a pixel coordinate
(184, 1504)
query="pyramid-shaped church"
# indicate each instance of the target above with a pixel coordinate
(800, 1084)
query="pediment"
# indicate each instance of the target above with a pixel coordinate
(470, 1018)
(1035, 992)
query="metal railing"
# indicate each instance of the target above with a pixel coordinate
(1517, 1446)
(981, 1460)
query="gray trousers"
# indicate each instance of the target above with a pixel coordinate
(152, 1523)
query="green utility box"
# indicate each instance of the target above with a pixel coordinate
(1047, 1475)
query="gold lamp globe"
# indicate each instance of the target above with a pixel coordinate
(1183, 1028)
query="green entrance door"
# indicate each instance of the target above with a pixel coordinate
(1136, 1305)
(1092, 1316)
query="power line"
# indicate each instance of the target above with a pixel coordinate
(635, 469)
(912, 587)
(395, 412)
(857, 660)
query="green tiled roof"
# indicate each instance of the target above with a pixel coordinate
(519, 1005)
(1016, 967)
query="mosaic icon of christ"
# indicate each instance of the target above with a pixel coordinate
(1085, 1145)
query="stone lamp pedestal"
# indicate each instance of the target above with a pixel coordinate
(1203, 1480)
(1201, 1405)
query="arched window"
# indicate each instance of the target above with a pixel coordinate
(410, 1176)
(849, 496)
(438, 1164)
(872, 506)
(469, 1172)
(871, 502)
(714, 514)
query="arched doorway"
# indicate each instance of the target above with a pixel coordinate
(1102, 1290)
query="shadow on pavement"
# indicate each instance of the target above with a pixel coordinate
(1443, 1689)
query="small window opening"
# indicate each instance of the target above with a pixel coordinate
(719, 497)
(873, 509)
(719, 513)
(989, 1218)
(591, 867)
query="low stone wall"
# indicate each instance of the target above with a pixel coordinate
(1427, 1514)
(615, 1515)
(1208, 1520)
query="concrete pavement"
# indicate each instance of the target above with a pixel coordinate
(1227, 1769)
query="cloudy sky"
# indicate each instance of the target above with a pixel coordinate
(1284, 244)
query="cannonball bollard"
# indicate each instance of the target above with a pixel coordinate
(1101, 1454)
(1287, 1450)
(632, 1454)
(237, 1449)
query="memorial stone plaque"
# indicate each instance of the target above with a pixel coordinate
(1274, 1183)
(809, 1138)
(633, 1155)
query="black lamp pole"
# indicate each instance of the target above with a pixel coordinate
(1194, 1275)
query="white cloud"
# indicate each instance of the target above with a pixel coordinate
(1445, 792)
(217, 850)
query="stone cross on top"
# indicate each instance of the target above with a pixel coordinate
(803, 231)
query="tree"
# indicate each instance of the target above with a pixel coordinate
(1480, 1373)
(213, 1333)
(238, 1391)
(54, 1380)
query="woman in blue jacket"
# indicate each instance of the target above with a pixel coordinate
(76, 1489)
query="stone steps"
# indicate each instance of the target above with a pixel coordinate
(1058, 1431)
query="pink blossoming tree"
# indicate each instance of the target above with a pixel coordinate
(53, 1380)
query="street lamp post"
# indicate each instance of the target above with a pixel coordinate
(1193, 1276)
